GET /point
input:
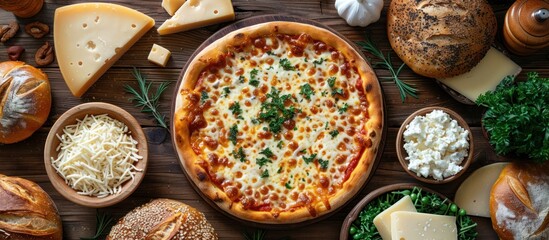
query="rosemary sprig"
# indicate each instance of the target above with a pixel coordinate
(258, 234)
(103, 222)
(148, 103)
(403, 87)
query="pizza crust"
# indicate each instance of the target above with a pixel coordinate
(210, 54)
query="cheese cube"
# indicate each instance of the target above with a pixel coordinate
(485, 76)
(172, 5)
(422, 226)
(383, 220)
(159, 55)
(90, 37)
(198, 13)
(473, 194)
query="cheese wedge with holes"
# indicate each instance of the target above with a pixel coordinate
(172, 5)
(198, 13)
(485, 76)
(421, 226)
(473, 194)
(383, 220)
(90, 37)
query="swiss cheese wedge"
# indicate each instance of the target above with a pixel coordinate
(198, 13)
(90, 37)
(172, 5)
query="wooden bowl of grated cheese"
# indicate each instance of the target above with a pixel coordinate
(96, 154)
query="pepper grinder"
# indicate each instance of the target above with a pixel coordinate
(526, 26)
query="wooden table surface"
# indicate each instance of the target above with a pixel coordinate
(164, 177)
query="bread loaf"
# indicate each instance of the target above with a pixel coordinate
(163, 219)
(26, 211)
(519, 202)
(25, 100)
(441, 38)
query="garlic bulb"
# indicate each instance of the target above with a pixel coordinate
(359, 12)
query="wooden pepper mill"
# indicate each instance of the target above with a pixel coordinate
(22, 8)
(526, 27)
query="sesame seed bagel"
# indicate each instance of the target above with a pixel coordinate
(441, 38)
(163, 219)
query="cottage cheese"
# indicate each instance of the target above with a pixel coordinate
(436, 145)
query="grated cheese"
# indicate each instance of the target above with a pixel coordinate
(96, 156)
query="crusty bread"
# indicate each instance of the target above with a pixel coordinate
(441, 38)
(519, 202)
(26, 211)
(25, 100)
(163, 219)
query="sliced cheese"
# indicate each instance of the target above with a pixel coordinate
(159, 55)
(421, 226)
(484, 77)
(90, 37)
(172, 5)
(198, 13)
(473, 194)
(383, 220)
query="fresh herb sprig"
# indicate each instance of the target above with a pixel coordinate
(363, 227)
(149, 103)
(103, 224)
(403, 87)
(517, 118)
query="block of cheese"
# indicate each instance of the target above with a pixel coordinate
(485, 76)
(383, 220)
(172, 5)
(473, 194)
(421, 226)
(90, 37)
(198, 13)
(159, 55)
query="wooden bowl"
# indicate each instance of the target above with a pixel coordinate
(353, 215)
(402, 154)
(70, 117)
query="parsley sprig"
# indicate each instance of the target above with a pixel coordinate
(149, 103)
(403, 87)
(517, 119)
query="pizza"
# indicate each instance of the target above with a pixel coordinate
(279, 122)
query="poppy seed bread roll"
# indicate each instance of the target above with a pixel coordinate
(163, 219)
(441, 38)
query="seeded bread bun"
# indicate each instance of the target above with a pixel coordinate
(441, 38)
(25, 100)
(519, 202)
(163, 219)
(27, 212)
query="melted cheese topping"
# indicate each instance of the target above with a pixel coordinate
(96, 156)
(309, 157)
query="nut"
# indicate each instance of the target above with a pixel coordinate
(14, 52)
(8, 31)
(37, 29)
(44, 55)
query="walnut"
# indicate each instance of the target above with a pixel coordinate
(37, 29)
(8, 31)
(44, 55)
(14, 52)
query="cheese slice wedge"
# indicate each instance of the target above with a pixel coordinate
(473, 194)
(485, 76)
(421, 226)
(172, 5)
(90, 37)
(198, 13)
(383, 220)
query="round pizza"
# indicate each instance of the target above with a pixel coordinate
(279, 122)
